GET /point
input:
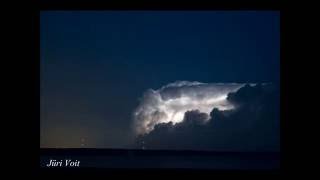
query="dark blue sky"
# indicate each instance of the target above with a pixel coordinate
(95, 65)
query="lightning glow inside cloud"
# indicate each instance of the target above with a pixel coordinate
(170, 102)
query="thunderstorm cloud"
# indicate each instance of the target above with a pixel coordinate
(246, 120)
(172, 101)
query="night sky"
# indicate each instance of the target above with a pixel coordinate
(95, 66)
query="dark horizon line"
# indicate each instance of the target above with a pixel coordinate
(123, 151)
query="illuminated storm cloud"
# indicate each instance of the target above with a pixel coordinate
(170, 102)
